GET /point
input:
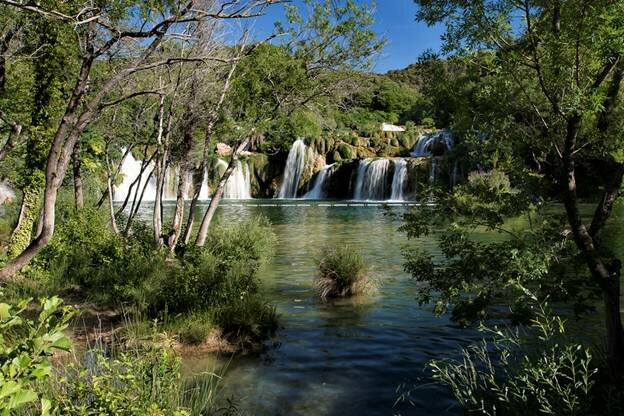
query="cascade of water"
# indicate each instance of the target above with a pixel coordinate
(238, 185)
(317, 191)
(434, 168)
(6, 193)
(294, 169)
(425, 143)
(371, 179)
(454, 175)
(399, 179)
(171, 183)
(204, 192)
(130, 170)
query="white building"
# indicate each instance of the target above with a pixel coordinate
(387, 127)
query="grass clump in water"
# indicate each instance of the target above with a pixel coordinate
(342, 272)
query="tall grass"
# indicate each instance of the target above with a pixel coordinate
(342, 272)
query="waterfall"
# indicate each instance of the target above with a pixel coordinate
(371, 179)
(238, 185)
(454, 175)
(204, 192)
(6, 193)
(317, 191)
(294, 169)
(424, 146)
(434, 168)
(130, 171)
(130, 168)
(399, 179)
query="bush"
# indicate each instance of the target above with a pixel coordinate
(341, 272)
(224, 270)
(248, 320)
(510, 375)
(193, 328)
(85, 254)
(25, 349)
(219, 283)
(142, 382)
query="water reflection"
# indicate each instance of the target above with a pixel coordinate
(344, 357)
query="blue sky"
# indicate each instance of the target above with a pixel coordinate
(396, 22)
(406, 37)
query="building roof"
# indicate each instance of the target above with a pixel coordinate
(391, 127)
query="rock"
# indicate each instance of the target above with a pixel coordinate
(345, 151)
(223, 149)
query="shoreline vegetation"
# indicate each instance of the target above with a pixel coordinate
(106, 105)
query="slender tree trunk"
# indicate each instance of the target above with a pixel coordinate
(198, 179)
(78, 187)
(606, 272)
(136, 203)
(114, 176)
(218, 194)
(22, 233)
(161, 166)
(212, 119)
(109, 186)
(183, 174)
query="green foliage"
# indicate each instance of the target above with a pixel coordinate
(247, 320)
(192, 328)
(540, 372)
(474, 276)
(342, 272)
(146, 381)
(219, 283)
(26, 346)
(86, 253)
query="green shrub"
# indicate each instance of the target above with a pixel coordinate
(85, 254)
(515, 375)
(224, 270)
(146, 381)
(25, 349)
(247, 320)
(193, 328)
(342, 272)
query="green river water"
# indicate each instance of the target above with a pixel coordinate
(347, 357)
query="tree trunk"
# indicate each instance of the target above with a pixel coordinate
(605, 272)
(114, 177)
(197, 185)
(212, 119)
(136, 203)
(109, 187)
(78, 188)
(22, 233)
(218, 194)
(183, 174)
(161, 168)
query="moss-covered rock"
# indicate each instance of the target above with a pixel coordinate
(346, 151)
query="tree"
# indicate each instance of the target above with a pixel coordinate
(557, 71)
(324, 40)
(112, 30)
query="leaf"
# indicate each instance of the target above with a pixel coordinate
(46, 406)
(5, 311)
(22, 397)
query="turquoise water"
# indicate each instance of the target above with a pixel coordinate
(348, 357)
